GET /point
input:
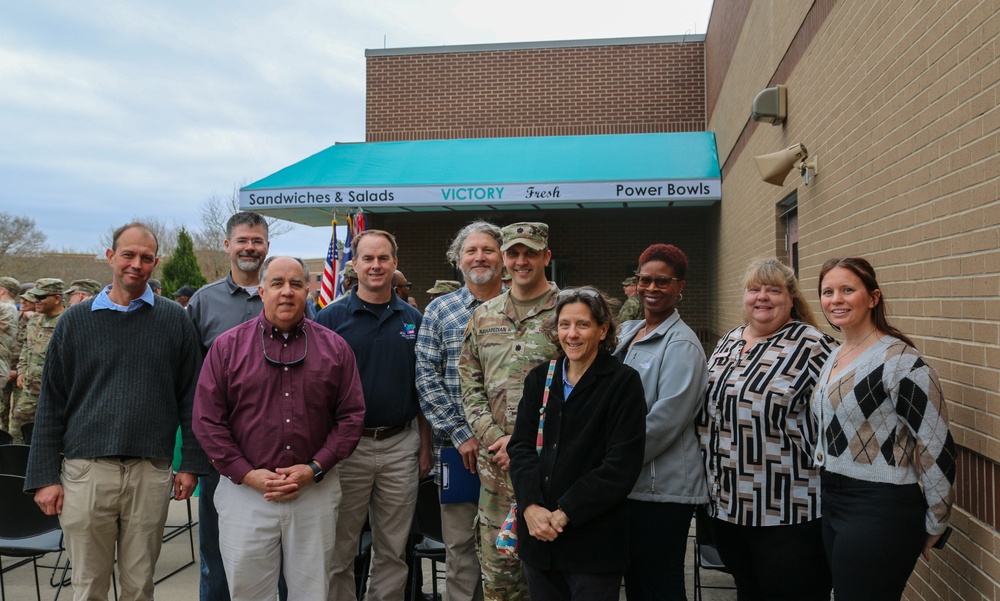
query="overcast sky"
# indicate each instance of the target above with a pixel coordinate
(112, 110)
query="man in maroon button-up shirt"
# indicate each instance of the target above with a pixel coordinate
(279, 404)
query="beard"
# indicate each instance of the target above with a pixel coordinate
(248, 262)
(481, 274)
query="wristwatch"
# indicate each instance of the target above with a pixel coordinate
(317, 472)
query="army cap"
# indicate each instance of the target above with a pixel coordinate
(48, 286)
(184, 291)
(533, 235)
(28, 296)
(630, 281)
(444, 287)
(12, 285)
(348, 271)
(92, 287)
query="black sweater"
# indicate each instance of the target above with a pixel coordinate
(116, 383)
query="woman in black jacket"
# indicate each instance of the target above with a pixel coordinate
(572, 489)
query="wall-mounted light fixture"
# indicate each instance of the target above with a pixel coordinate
(771, 106)
(776, 166)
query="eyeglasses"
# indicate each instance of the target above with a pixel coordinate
(576, 292)
(406, 285)
(41, 297)
(660, 281)
(271, 361)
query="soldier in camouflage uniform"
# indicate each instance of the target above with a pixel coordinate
(9, 287)
(27, 309)
(81, 290)
(632, 307)
(48, 293)
(503, 342)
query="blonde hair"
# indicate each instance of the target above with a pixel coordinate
(772, 272)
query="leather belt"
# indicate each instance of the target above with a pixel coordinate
(383, 433)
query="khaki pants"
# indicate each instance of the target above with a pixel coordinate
(108, 503)
(380, 479)
(463, 575)
(259, 539)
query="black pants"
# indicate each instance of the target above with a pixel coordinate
(657, 541)
(559, 585)
(873, 534)
(775, 563)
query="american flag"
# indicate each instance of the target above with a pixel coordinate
(329, 285)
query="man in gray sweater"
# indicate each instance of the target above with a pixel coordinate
(119, 379)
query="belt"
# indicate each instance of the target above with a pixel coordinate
(383, 433)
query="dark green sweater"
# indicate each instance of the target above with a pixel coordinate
(116, 383)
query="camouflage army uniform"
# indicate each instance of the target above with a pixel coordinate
(8, 340)
(497, 354)
(37, 335)
(631, 309)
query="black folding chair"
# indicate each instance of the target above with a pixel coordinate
(429, 545)
(26, 532)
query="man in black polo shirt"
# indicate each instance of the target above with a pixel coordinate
(396, 447)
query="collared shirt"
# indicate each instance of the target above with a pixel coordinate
(250, 414)
(384, 345)
(219, 306)
(438, 349)
(758, 429)
(103, 301)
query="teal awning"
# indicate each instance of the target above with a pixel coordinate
(493, 174)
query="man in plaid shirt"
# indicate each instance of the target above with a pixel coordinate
(476, 252)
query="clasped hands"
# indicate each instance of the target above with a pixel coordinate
(544, 524)
(283, 484)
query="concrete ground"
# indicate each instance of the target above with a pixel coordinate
(19, 583)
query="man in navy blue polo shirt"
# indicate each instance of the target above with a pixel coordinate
(396, 444)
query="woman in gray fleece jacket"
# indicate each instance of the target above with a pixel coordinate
(671, 364)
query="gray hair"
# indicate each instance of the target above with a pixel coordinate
(267, 261)
(247, 218)
(454, 252)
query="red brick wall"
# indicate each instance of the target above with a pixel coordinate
(640, 88)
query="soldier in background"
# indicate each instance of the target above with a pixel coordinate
(48, 293)
(9, 287)
(156, 286)
(348, 278)
(502, 343)
(442, 287)
(81, 290)
(632, 307)
(402, 287)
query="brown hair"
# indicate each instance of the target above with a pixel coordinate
(866, 273)
(601, 307)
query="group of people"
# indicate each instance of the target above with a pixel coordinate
(605, 435)
(28, 314)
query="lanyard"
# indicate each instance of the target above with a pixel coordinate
(545, 401)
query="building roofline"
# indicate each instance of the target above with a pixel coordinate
(665, 39)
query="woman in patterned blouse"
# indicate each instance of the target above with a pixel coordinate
(757, 435)
(883, 434)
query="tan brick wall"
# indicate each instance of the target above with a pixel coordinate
(638, 88)
(899, 102)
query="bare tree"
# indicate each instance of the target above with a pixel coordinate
(19, 237)
(217, 210)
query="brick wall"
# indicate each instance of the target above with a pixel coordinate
(508, 91)
(598, 247)
(899, 102)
